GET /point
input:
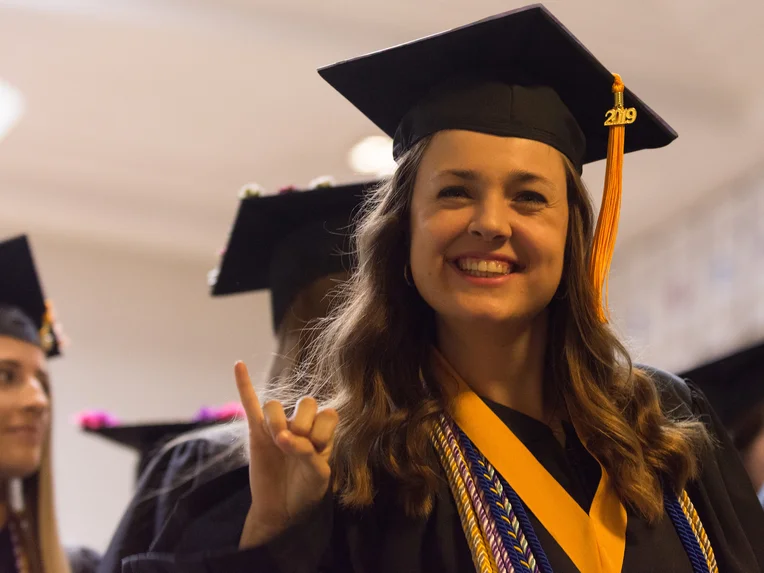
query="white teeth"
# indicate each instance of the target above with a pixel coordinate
(483, 268)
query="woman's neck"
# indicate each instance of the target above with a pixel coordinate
(502, 363)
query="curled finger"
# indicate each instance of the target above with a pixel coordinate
(301, 422)
(274, 419)
(324, 426)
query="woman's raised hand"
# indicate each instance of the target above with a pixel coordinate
(288, 460)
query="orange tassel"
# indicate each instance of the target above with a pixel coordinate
(607, 222)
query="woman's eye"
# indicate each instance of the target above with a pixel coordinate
(453, 191)
(7, 376)
(531, 197)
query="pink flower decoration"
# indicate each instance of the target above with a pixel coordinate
(94, 419)
(230, 411)
(287, 189)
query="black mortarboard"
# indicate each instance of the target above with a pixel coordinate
(734, 384)
(286, 241)
(518, 74)
(146, 439)
(23, 311)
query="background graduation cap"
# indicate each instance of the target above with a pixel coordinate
(734, 384)
(286, 241)
(20, 290)
(146, 439)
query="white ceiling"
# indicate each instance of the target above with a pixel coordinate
(144, 117)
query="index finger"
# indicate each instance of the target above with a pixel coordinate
(247, 394)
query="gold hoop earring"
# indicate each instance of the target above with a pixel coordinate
(407, 275)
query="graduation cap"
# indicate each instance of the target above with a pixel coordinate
(519, 74)
(24, 313)
(733, 384)
(146, 439)
(286, 241)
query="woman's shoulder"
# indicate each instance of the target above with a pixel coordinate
(675, 392)
(201, 455)
(682, 399)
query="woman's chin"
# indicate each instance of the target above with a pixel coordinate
(467, 306)
(20, 467)
(486, 315)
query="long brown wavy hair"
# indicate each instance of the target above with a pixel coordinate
(368, 357)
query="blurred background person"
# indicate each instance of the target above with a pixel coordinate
(296, 245)
(29, 538)
(734, 384)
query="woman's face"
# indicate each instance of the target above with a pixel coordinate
(24, 407)
(489, 219)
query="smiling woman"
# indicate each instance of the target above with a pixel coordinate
(29, 540)
(478, 412)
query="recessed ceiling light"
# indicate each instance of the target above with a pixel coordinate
(11, 107)
(373, 155)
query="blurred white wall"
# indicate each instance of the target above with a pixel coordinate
(691, 290)
(148, 343)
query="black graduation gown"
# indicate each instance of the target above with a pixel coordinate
(7, 556)
(203, 532)
(171, 474)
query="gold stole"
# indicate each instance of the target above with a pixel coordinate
(596, 541)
